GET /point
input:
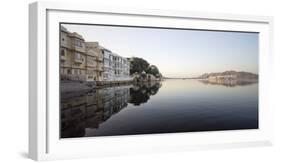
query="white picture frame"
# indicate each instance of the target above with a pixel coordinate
(44, 142)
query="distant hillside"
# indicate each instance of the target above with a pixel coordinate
(226, 78)
(234, 74)
(229, 78)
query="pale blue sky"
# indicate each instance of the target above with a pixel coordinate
(178, 53)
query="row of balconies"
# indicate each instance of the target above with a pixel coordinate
(97, 68)
(79, 60)
(101, 67)
(99, 59)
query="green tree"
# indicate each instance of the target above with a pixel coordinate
(138, 65)
(153, 70)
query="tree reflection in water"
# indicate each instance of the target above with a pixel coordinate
(88, 110)
(141, 93)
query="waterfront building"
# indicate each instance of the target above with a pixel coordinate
(72, 56)
(121, 67)
(94, 63)
(88, 61)
(116, 68)
(107, 64)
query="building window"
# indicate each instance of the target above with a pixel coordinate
(62, 52)
(78, 56)
(68, 71)
(78, 43)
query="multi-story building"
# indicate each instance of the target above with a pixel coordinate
(116, 68)
(88, 61)
(94, 63)
(121, 67)
(107, 64)
(72, 56)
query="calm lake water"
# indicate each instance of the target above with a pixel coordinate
(172, 105)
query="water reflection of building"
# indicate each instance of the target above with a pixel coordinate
(91, 109)
(81, 111)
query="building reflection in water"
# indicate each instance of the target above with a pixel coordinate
(88, 110)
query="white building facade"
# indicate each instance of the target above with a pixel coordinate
(116, 68)
(107, 61)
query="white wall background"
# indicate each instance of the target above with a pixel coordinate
(14, 80)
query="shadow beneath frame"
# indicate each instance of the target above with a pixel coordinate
(23, 154)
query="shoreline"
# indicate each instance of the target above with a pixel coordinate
(81, 86)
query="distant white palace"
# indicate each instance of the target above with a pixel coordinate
(88, 61)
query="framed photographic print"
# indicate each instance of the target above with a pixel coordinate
(110, 81)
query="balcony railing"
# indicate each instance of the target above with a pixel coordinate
(62, 57)
(100, 59)
(78, 60)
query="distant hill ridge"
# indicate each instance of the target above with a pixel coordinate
(237, 74)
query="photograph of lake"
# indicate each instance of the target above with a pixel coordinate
(130, 80)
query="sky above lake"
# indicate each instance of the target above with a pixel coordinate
(177, 52)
